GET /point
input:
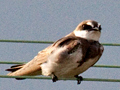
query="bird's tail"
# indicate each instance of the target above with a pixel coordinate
(13, 69)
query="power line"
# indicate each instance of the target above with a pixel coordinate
(5, 62)
(49, 78)
(107, 66)
(49, 42)
(26, 41)
(100, 66)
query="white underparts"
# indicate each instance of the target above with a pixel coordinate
(53, 60)
(89, 35)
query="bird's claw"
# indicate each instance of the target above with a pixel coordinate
(79, 79)
(54, 77)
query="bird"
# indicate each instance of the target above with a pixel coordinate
(67, 57)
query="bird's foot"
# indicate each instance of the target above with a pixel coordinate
(54, 77)
(79, 79)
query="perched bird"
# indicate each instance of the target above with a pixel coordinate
(68, 57)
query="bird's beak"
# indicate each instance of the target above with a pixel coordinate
(97, 29)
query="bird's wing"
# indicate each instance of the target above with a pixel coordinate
(69, 48)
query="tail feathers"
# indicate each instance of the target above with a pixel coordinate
(15, 68)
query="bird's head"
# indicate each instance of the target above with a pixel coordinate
(89, 30)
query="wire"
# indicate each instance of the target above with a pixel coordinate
(3, 62)
(26, 41)
(49, 42)
(49, 78)
(100, 66)
(110, 44)
(107, 66)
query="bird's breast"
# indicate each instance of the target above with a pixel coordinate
(61, 63)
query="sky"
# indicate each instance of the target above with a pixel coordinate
(50, 20)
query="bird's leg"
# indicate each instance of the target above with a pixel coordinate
(79, 79)
(54, 77)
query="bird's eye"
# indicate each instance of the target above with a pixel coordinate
(100, 27)
(86, 27)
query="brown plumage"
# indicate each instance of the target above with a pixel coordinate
(67, 57)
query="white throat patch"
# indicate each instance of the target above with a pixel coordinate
(89, 35)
